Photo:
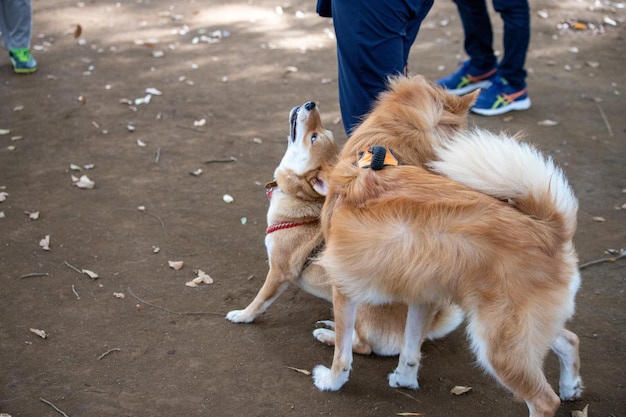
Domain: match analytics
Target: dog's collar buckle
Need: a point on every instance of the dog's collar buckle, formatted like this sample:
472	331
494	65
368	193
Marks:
376	158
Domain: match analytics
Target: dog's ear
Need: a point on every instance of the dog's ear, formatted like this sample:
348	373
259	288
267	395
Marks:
467	101
460	105
320	185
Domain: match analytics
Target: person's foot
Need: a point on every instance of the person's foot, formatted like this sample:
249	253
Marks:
500	98
23	62
467	79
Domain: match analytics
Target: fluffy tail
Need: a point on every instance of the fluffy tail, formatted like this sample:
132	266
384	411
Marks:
503	167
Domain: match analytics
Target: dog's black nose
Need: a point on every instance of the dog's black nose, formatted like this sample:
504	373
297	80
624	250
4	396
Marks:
309	105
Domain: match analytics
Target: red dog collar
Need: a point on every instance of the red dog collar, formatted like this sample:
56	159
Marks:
284	225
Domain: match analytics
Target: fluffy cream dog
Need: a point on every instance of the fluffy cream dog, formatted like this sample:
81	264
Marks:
491	231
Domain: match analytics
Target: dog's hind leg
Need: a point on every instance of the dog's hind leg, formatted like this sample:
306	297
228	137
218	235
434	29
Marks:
327	336
566	348
418	320
345	317
512	347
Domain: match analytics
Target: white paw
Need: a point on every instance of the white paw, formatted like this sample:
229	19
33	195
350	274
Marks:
572	391
239	316
329	324
325	336
400	380
325	381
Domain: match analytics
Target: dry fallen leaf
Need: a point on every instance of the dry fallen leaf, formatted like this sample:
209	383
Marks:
175	264
45	243
548	123
202	278
90	274
78	31
85	183
579	413
302	371
459	390
40	333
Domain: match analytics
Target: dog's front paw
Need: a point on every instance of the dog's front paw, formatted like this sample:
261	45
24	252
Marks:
402	380
239	316
324	379
572	391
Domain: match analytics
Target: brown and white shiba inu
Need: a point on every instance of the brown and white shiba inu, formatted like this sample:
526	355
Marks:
481	220
294	238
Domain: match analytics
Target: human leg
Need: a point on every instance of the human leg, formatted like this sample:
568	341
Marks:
16	27
478	33
373	42
480	69
516	17
16	23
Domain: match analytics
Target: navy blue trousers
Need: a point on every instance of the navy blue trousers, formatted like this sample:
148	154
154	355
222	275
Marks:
374	38
479	36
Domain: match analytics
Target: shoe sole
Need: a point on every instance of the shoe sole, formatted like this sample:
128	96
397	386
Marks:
24	70
515	106
469	88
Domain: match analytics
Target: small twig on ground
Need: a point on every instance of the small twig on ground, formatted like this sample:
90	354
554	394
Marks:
622	254
217	161
183	313
407	395
157	156
108	352
606	121
73	267
54	406
75	292
36	274
191	128
156	217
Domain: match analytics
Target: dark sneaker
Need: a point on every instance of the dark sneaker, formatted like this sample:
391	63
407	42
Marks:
500	98
23	62
467	79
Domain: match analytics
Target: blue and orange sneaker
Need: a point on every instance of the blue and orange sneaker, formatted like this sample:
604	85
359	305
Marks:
467	79
500	98
23	62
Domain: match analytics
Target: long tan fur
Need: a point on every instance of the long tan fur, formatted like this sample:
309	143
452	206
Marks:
297	197
497	242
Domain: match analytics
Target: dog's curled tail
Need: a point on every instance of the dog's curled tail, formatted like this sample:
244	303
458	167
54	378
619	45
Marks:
507	169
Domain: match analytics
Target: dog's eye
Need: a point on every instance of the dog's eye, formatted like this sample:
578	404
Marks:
313	137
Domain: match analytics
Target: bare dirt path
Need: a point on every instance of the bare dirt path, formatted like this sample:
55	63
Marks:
228	75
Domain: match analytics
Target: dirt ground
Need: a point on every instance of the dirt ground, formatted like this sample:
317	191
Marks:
240	66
